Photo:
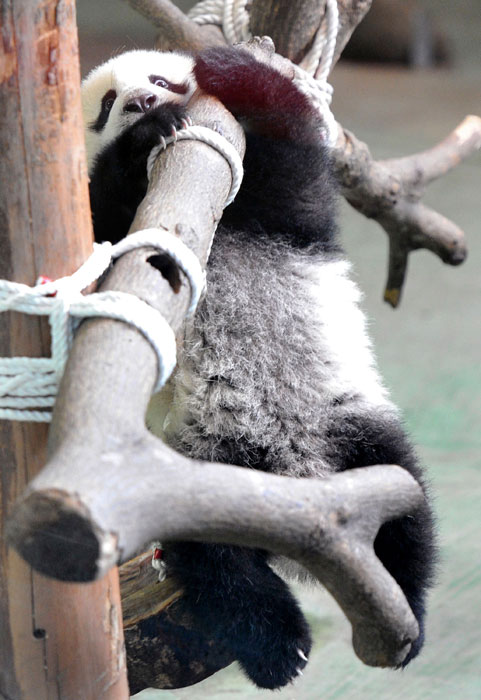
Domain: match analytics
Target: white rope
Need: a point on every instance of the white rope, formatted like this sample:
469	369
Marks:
314	70
236	21
31	383
172	245
207	12
213	139
128	308
318	60
28	386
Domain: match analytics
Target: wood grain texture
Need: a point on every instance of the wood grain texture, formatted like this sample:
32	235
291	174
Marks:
164	648
51	632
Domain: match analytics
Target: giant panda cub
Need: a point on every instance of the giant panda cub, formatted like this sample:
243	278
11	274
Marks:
276	371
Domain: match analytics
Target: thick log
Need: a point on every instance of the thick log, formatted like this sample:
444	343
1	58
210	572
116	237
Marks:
50	632
164	648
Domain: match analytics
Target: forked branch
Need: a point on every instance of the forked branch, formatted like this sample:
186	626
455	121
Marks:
390	192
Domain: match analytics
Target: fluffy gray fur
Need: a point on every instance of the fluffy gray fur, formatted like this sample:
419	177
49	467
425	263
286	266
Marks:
277	353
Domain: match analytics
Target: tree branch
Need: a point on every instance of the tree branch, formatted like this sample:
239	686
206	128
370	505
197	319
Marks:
351	13
388	191
328	525
176	30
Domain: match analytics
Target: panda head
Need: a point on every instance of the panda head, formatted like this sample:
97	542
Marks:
120	91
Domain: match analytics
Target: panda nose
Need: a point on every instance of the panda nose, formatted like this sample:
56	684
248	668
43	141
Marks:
142	103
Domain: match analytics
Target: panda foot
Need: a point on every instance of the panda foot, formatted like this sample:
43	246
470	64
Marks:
273	660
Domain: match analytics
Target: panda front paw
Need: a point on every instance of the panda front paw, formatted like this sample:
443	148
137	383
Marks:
156	125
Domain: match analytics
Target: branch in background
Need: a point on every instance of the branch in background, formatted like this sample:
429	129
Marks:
390	191
351	12
177	31
291	25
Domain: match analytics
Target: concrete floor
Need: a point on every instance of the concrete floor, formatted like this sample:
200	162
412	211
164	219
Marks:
429	352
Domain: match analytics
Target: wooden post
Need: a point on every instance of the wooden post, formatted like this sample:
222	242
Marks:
57	640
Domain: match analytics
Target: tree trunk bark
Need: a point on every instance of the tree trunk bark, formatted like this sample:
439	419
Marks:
57	640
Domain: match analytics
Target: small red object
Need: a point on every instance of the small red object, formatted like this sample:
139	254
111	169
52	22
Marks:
158	553
43	279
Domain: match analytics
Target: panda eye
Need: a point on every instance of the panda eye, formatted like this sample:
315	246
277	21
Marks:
108	100
159	81
105	106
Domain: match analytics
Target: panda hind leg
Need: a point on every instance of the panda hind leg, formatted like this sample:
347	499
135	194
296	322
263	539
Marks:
406	546
235	597
269	102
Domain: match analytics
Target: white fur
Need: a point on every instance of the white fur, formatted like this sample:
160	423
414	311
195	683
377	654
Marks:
341	332
128	74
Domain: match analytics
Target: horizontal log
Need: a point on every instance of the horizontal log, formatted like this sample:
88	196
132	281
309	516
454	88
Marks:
164	648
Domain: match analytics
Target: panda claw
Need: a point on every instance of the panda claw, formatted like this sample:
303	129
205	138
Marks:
186	123
302	655
299	672
174	133
163	142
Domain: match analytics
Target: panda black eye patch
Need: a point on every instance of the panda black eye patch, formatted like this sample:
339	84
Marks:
159	81
105	107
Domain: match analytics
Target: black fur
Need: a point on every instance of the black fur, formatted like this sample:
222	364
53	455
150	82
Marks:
237	598
286	206
405	546
118	182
